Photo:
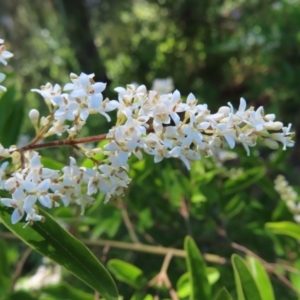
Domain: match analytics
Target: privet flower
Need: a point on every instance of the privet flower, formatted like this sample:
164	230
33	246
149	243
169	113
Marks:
159	124
289	196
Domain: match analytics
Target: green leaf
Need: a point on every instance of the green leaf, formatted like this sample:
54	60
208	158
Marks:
3	259
223	295
183	286
246	179
261	278
294	277
51	163
66	291
245	283
285	228
11	116
127	273
21	295
4	268
213	275
53	241
141	296
197	270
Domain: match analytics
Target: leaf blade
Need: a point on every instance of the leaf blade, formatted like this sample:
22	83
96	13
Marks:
126	272
284	228
245	283
197	270
261	278
53	241
223	295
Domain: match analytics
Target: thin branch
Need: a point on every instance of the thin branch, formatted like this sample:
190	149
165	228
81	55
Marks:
127	221
162	278
19	268
157	250
89	139
269	267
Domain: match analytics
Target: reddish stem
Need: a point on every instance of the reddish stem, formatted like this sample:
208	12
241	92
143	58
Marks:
67	142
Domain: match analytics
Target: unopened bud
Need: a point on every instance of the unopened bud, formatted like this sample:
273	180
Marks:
44	121
270	117
16	156
271	144
34	116
274	126
224	110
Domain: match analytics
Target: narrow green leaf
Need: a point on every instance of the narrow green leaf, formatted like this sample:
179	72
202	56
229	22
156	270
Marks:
127	273
66	291
285	228
223	295
51	163
261	278
141	296
21	295
197	270
213	275
53	241
183	286
245	283
294	277
10	109
3	259
5	279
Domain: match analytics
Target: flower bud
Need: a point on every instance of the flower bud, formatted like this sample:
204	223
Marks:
34	116
270	117
271	144
274	126
224	110
16	157
44	121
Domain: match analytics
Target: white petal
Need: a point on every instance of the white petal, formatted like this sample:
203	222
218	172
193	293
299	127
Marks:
99	87
44	185
17	215
243	105
230	140
45	200
29	202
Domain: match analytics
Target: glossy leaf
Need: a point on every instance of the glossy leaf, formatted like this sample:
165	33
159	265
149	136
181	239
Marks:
261	278
183	286
223	295
51	163
18	295
245	283
213	275
127	273
197	270
4	268
285	228
53	241
11	116
295	277
66	291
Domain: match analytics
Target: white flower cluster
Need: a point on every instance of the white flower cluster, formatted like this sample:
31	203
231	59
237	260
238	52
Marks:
3	56
289	196
84	98
35	183
161	125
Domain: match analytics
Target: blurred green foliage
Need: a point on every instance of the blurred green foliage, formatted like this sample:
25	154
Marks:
220	50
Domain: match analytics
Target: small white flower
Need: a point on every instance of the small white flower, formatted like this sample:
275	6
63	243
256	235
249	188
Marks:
16	202
4	54
2	77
